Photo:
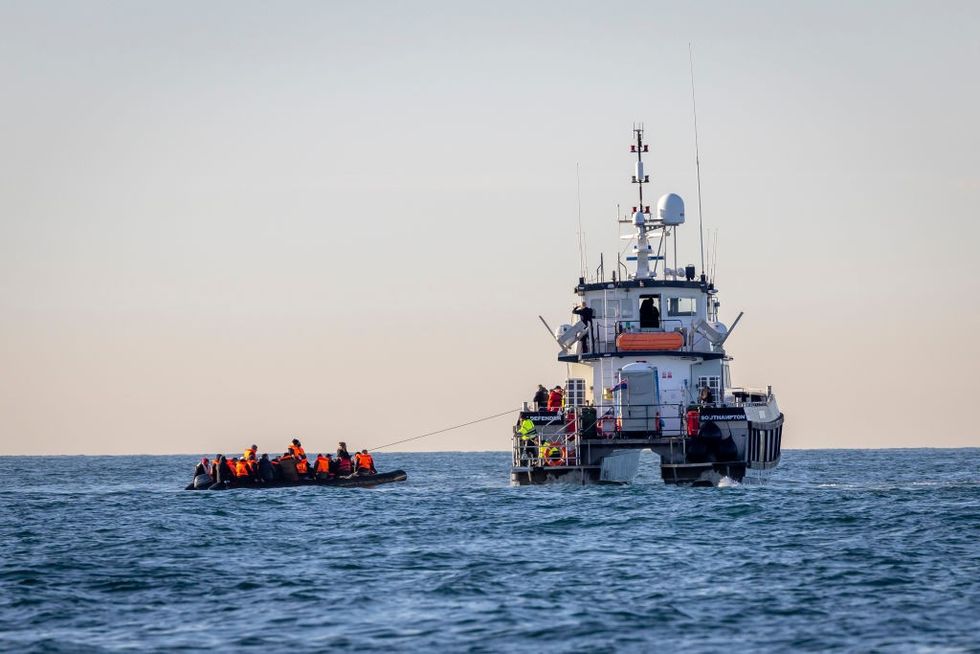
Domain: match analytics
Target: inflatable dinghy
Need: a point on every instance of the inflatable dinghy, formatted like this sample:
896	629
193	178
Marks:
204	482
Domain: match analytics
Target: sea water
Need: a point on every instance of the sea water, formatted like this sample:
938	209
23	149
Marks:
846	550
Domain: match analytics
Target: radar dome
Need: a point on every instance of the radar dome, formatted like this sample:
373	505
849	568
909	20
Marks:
670	209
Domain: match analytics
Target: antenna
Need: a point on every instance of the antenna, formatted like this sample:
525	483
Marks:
697	153
581	247
640	212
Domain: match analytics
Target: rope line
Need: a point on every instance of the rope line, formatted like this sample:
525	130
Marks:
440	431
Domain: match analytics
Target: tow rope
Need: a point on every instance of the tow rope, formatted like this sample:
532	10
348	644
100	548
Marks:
440	431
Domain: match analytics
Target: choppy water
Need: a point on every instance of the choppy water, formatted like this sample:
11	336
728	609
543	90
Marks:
841	550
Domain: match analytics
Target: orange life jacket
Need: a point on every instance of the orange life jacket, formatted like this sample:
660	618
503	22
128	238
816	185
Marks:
297	451
241	468
249	454
302	467
322	464
365	461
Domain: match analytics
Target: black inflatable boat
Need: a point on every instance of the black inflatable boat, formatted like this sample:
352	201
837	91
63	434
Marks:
203	482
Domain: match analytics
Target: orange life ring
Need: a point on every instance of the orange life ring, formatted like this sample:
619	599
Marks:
560	460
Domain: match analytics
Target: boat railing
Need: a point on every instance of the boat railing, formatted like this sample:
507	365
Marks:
630	420
603	338
558	436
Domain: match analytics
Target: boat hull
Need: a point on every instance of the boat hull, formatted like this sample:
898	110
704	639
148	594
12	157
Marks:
360	481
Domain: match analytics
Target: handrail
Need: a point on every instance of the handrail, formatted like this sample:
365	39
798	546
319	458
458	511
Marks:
601	343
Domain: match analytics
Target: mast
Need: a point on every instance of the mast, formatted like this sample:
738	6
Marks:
641	212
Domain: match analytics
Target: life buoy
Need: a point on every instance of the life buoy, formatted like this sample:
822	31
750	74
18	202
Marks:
559	460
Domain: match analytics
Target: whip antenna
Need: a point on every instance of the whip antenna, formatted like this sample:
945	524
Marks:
581	238
697	153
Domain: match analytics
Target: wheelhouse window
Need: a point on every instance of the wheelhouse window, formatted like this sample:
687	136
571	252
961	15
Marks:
682	306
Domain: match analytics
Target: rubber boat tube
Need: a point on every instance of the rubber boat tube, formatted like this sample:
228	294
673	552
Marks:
362	481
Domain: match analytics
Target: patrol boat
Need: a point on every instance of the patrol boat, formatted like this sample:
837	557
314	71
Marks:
648	370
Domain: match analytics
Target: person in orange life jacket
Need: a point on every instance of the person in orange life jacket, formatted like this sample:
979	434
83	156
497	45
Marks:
214	467
364	462
554	399
302	466
242	470
296	449
220	472
322	467
251	454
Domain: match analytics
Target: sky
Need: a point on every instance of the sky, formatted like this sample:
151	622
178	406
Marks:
233	222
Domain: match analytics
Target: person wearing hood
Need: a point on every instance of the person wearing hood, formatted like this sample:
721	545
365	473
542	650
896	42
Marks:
266	472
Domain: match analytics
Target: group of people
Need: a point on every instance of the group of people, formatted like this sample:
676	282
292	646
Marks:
545	400
292	465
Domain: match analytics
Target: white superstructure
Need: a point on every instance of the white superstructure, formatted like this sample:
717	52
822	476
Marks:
648	369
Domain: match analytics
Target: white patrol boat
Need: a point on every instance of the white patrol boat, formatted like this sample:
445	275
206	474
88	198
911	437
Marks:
648	369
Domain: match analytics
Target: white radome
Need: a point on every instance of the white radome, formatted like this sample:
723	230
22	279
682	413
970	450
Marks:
670	209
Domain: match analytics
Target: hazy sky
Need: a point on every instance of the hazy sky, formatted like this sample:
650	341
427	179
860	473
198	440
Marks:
231	222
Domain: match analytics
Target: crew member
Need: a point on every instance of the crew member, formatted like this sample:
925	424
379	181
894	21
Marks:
706	396
549	450
649	314
586	314
364	462
541	398
554	399
527	434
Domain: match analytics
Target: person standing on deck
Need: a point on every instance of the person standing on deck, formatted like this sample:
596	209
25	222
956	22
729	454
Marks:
586	314
649	314
540	398
555	399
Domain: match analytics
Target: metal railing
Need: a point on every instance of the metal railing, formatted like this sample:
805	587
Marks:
603	332
559	441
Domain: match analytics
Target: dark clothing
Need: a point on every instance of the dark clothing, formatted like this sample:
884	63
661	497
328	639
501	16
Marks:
199	470
541	399
585	313
342	453
266	473
222	472
649	314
